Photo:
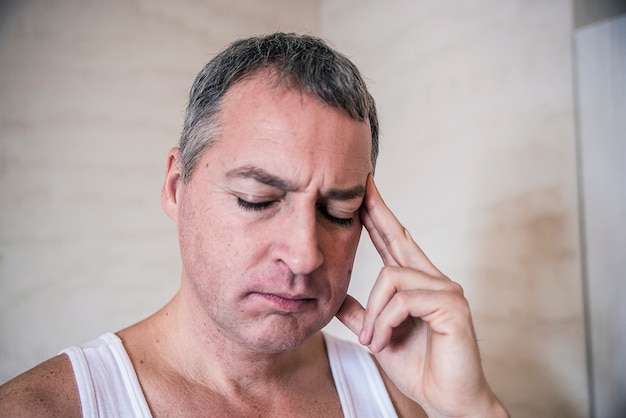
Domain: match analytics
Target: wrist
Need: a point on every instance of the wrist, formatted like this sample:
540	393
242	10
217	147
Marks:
492	408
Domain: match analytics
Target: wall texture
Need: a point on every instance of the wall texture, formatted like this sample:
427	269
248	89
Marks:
478	160
91	100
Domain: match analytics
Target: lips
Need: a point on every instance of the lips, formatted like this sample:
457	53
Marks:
286	302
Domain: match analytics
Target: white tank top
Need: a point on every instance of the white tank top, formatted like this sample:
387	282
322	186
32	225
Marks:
108	385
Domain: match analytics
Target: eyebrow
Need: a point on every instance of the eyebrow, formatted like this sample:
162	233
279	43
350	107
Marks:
262	176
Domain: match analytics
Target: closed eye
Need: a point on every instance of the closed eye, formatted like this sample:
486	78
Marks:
260	206
256	206
345	222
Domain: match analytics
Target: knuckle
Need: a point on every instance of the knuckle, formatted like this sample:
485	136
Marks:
385	271
462	307
404	299
388	273
457	288
452	286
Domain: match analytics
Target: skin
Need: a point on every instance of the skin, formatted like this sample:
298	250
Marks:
268	228
418	324
280	195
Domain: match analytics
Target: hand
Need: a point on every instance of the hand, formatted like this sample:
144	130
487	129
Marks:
418	323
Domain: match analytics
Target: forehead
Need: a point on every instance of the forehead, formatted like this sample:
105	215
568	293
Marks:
260	120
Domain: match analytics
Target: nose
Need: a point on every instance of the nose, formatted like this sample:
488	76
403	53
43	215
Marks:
299	246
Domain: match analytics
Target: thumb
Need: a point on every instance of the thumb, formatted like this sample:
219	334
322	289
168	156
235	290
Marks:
351	314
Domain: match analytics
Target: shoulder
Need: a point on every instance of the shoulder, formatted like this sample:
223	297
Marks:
404	406
48	389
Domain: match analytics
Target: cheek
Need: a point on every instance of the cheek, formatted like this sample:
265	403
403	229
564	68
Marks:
206	233
340	250
339	258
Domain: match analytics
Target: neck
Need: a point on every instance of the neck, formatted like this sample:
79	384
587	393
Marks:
200	352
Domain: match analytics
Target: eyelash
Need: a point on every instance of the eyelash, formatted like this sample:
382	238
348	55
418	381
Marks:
345	222
259	206
255	206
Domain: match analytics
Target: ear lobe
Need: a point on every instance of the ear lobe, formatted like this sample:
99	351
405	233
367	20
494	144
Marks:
169	196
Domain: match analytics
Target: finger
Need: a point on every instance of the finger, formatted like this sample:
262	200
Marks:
351	314
445	312
392	280
383	238
391	239
377	239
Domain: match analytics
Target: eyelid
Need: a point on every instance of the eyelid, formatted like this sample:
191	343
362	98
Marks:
339	217
258	206
344	219
344	222
257	197
342	211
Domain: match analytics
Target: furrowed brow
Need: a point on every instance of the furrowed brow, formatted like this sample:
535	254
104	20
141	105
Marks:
260	175
345	194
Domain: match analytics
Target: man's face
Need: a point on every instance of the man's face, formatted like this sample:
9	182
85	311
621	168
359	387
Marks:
268	222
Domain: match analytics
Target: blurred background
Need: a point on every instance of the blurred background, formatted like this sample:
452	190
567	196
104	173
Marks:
503	151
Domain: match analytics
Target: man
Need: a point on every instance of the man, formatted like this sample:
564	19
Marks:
269	189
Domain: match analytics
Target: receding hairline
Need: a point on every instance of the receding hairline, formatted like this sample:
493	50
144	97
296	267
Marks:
270	77
300	62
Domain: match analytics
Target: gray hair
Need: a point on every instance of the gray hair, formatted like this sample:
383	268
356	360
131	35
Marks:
302	62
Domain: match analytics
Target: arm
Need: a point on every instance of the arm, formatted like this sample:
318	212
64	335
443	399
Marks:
418	324
48	390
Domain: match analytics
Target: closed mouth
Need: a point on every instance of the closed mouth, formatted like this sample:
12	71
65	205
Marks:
287	303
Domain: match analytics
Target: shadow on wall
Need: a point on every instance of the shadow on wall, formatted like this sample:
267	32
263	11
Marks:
528	273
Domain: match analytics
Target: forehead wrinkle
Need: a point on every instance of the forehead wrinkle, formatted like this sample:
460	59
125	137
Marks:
260	175
263	177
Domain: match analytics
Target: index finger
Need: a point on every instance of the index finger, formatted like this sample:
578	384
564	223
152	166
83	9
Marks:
392	240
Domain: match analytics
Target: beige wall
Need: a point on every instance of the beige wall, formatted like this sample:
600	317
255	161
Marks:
92	95
478	160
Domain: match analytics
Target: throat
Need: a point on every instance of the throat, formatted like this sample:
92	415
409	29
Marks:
300	384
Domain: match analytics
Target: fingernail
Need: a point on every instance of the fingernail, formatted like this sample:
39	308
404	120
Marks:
364	337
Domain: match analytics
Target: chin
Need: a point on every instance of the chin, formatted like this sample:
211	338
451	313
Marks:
281	336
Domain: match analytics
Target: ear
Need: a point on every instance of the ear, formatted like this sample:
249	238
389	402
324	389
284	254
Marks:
169	192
